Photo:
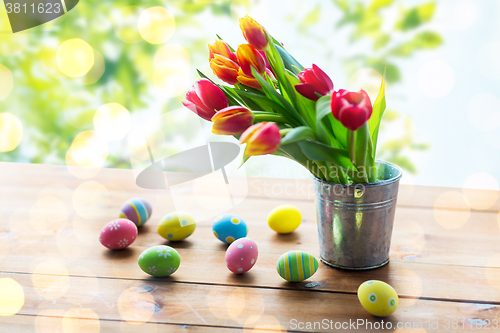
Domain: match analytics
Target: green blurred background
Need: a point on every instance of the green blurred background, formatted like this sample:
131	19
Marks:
71	90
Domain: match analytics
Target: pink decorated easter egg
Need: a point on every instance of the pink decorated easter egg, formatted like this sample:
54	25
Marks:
118	234
241	255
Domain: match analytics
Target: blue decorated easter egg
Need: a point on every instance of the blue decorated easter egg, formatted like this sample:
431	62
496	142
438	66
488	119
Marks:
137	210
229	227
296	266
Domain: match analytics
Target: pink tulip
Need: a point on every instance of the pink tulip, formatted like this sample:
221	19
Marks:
261	139
205	99
352	109
232	120
314	81
254	33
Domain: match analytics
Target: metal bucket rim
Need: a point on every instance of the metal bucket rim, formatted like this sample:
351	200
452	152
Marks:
376	184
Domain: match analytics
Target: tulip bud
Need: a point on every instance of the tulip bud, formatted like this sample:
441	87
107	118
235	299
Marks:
225	69
220	48
254	33
232	120
205	98
249	57
352	109
314	81
261	139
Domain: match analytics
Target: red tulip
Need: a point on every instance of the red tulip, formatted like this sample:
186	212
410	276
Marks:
314	80
254	33
261	139
232	120
249	57
205	98
352	109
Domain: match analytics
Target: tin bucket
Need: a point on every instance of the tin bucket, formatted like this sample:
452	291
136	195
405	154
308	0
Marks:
355	221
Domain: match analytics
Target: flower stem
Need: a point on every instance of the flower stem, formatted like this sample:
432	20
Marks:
259	117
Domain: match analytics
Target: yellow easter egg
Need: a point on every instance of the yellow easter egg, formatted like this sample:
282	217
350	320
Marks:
378	298
176	226
284	219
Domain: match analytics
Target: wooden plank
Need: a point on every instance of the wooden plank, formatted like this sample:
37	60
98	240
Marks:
57	320
160	301
16	175
67	256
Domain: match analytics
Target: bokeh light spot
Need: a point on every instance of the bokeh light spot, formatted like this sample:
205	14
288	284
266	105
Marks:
112	121
484	112
75	57
451	210
90	199
49	215
87	150
11	297
7	82
80	320
97	70
49	321
156	25
50	279
11	131
171	70
481	189
125	24
136	306
492	270
367	79
4	244
261	324
436	78
407	283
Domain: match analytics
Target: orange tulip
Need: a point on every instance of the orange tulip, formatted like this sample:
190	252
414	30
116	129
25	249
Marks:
254	33
232	120
225	69
261	139
249	57
220	48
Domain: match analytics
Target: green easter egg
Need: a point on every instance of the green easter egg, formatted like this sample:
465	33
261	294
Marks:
296	266
159	260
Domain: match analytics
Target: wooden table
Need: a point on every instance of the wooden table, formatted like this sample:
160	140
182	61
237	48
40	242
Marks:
445	262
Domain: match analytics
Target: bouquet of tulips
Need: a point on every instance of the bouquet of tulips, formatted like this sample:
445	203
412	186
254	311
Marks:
276	106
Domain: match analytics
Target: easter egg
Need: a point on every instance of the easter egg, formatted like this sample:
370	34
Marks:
159	260
137	210
241	255
295	266
176	226
229	227
284	219
378	298
118	234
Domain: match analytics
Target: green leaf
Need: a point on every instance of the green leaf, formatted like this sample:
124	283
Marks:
318	151
416	16
289	61
421	41
298	134
289	111
381	41
311	18
378	4
378	112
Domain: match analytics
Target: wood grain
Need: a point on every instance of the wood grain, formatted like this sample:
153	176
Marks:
445	261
